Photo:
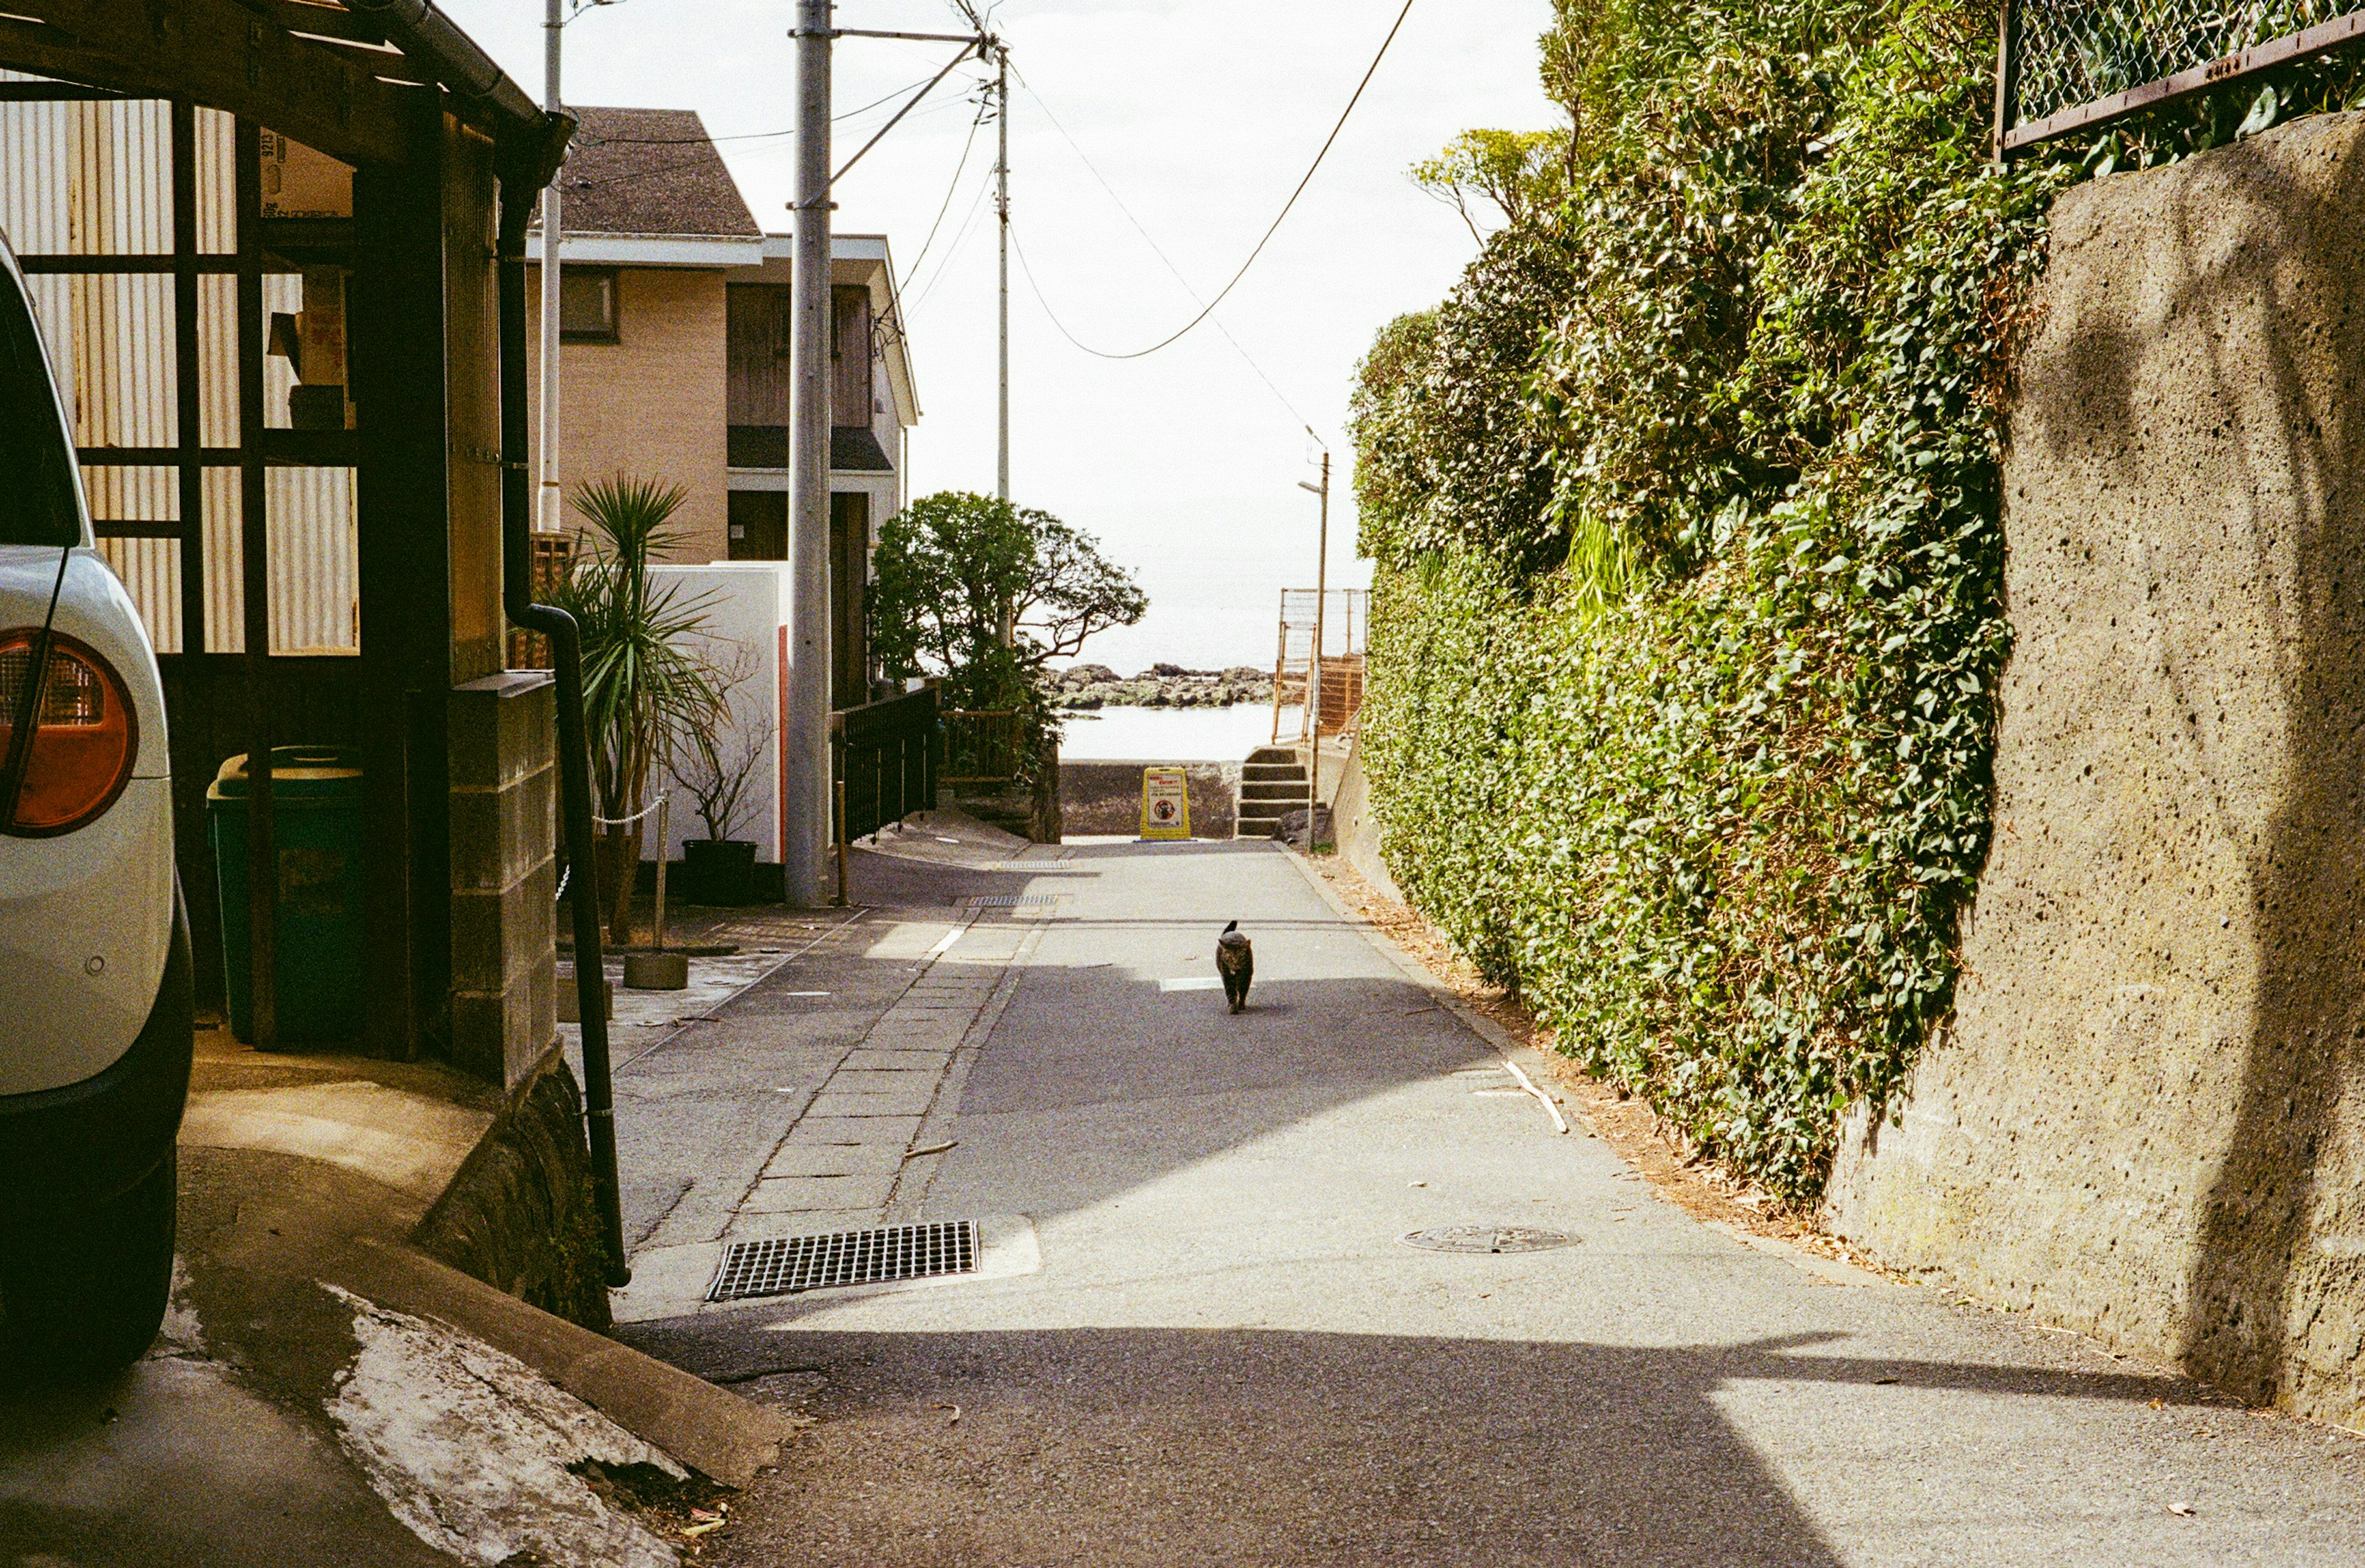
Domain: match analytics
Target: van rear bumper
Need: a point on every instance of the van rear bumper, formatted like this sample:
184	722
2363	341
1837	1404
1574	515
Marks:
82	1143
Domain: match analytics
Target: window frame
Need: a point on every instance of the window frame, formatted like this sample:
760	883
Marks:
610	334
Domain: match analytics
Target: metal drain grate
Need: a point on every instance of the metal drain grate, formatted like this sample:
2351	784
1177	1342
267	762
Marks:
1488	1238
788	1265
1012	901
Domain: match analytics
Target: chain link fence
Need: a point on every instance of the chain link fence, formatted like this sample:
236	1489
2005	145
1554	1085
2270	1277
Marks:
2071	64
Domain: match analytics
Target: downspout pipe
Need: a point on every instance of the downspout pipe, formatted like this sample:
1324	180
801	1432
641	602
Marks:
431	40
518	199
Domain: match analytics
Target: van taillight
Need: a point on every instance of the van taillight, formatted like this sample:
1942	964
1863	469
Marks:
85	736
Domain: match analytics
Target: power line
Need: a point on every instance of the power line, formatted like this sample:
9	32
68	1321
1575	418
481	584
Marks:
1209	308
747	135
1246	358
976	206
951	190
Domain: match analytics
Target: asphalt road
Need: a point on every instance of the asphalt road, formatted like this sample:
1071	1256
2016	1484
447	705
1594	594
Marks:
1228	1355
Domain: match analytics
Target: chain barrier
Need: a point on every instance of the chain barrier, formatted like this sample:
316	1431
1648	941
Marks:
627	822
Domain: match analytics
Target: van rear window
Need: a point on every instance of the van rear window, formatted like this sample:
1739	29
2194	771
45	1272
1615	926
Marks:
36	485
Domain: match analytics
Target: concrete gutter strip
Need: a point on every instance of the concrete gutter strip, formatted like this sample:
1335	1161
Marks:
919	1170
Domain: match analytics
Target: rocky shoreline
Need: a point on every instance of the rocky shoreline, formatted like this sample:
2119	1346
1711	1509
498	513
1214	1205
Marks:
1087	687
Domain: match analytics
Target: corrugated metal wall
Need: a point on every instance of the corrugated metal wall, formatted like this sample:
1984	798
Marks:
95	178
311	548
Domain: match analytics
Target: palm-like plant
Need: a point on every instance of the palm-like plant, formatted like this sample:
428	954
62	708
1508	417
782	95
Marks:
646	684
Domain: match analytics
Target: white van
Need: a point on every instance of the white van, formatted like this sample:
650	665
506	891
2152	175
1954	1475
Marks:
96	1027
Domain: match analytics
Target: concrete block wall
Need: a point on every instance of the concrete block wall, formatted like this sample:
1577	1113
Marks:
504	782
2148	1118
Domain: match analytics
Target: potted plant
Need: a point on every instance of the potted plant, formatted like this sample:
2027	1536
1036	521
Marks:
716	763
646	683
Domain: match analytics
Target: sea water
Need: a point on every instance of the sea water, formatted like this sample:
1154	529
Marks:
1172	735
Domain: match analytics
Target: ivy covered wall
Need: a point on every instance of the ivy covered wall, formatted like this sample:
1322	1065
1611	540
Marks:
1685	515
1689	546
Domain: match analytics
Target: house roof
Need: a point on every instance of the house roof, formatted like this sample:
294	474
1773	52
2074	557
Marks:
650	172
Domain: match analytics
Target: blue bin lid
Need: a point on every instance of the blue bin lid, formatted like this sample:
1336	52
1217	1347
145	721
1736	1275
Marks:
297	773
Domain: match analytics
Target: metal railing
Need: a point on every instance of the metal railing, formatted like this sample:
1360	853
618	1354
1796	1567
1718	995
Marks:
884	755
2070	65
1297	660
984	745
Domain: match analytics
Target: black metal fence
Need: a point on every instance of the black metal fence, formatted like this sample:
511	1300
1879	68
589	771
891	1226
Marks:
984	747
2070	65
885	757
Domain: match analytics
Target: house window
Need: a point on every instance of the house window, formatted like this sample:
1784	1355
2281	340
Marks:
587	305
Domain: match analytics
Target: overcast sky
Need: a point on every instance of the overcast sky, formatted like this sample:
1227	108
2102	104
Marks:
1201	116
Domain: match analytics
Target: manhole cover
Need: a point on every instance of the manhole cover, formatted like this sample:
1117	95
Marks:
1488	1238
793	1264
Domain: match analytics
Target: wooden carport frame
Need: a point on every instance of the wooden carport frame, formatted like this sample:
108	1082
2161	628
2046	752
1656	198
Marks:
429	126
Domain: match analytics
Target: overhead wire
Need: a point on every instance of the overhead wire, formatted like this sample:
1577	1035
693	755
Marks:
896	308
952	188
744	135
1157	250
1273	227
976	206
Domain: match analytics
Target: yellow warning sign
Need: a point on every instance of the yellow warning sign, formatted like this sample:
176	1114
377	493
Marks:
1165	803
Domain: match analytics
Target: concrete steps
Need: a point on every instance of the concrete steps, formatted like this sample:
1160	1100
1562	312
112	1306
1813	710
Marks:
1272	785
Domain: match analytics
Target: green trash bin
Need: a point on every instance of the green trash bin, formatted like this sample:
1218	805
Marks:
316	817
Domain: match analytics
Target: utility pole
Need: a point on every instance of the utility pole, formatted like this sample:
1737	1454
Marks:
1313	664
806	762
548	514
1002	205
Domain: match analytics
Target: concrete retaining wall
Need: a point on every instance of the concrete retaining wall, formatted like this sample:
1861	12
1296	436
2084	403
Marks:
1105	796
1362	843
518	1215
2146	1122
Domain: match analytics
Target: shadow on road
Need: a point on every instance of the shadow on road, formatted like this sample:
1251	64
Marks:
1118	1447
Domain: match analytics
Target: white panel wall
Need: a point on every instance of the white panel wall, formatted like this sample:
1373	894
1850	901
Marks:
745	606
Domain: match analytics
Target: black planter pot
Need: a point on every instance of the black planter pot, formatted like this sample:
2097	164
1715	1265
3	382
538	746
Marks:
718	870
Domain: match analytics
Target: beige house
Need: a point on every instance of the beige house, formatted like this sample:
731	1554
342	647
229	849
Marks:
674	327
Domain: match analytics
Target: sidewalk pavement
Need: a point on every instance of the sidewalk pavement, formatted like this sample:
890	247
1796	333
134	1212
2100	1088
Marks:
814	1101
326	1393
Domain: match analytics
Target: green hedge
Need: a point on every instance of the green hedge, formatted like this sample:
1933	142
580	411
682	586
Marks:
1684	510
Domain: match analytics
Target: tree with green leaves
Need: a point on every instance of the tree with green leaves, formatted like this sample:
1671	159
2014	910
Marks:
985	595
1522	171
